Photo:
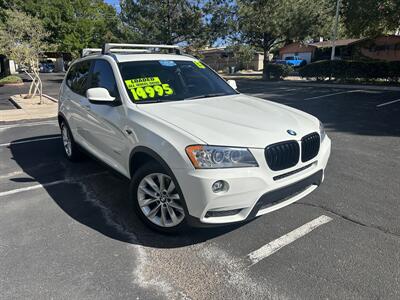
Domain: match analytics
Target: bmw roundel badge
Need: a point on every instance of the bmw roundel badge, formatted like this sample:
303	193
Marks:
291	132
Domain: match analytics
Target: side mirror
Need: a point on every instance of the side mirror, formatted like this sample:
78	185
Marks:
232	83
99	95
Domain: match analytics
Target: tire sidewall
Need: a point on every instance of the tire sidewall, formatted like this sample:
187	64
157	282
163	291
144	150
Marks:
143	171
75	152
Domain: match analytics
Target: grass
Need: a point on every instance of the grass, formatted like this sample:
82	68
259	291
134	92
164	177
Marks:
10	79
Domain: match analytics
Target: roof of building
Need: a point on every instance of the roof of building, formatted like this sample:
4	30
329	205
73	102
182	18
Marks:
328	44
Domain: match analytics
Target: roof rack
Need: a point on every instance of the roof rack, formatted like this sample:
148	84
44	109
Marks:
135	48
90	51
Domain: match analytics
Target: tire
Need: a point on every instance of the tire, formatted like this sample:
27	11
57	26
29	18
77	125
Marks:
71	148
163	210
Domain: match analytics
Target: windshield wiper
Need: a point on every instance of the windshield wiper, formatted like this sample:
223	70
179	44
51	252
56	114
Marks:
206	96
153	101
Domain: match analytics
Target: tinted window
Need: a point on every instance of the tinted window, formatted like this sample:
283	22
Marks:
78	76
103	76
167	80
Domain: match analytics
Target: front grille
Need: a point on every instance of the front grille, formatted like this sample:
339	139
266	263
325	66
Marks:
284	193
282	155
309	146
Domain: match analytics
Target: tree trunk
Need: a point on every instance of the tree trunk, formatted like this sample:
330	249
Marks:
265	63
266	48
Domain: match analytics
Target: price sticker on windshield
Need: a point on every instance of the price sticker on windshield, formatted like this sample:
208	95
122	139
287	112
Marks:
148	88
199	64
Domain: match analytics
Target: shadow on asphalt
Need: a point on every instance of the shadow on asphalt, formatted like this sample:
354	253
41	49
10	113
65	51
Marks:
355	113
100	201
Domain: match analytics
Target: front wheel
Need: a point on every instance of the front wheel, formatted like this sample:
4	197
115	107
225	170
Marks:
157	199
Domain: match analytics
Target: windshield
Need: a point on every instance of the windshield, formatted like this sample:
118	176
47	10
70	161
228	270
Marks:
171	80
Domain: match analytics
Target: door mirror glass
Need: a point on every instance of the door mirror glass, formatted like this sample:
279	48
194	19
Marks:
99	95
232	83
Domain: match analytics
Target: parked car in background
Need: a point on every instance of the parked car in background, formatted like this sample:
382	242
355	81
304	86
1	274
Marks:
46	67
293	61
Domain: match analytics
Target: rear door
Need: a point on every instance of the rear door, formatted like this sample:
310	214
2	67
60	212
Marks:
75	94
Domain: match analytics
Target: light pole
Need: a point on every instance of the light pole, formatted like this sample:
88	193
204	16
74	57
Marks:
335	29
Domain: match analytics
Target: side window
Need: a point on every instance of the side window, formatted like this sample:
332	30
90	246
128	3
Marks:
77	77
103	76
71	75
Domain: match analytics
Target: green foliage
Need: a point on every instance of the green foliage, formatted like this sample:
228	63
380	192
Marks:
370	18
75	24
266	23
22	37
164	21
277	71
244	54
10	79
350	69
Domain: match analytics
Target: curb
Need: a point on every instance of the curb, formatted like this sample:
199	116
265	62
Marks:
345	86
50	98
323	85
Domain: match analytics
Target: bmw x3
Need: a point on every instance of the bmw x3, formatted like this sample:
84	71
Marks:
196	151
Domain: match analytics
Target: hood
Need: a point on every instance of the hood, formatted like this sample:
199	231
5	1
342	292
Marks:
238	120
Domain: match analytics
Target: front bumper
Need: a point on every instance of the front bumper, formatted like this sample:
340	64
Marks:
252	191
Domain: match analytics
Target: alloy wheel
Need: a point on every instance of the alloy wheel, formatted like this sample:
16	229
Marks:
66	140
159	200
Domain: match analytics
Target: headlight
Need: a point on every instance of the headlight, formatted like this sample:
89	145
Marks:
213	157
322	131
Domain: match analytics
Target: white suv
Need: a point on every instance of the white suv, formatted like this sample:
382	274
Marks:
197	152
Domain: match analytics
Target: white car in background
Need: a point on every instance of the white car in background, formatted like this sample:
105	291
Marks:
197	152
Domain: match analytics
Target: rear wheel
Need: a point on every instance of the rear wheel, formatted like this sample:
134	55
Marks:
157	199
71	149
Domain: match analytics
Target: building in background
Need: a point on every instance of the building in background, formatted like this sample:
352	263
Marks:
222	58
381	48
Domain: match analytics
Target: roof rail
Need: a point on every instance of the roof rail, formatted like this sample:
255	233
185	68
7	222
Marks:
90	51
109	48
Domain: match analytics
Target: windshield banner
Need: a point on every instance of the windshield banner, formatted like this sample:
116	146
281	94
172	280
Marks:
148	87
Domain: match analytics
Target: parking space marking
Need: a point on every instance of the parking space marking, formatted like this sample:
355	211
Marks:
47	184
388	103
29	141
28	124
333	94
286	239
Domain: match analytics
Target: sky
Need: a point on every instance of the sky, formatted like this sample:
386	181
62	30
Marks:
114	3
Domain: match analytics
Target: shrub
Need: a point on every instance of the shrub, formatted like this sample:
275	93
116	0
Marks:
276	71
10	79
350	69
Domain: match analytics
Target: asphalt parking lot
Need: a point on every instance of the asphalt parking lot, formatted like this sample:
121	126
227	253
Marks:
66	231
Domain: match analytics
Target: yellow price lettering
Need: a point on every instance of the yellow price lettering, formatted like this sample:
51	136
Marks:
140	93
199	64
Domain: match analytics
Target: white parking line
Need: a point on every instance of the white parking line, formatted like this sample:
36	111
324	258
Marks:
388	103
285	240
29	141
44	185
28	124
328	95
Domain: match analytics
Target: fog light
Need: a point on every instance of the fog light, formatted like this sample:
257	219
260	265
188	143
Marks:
220	186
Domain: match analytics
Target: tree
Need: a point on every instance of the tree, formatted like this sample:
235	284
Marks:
22	40
164	21
266	23
244	54
369	18
75	24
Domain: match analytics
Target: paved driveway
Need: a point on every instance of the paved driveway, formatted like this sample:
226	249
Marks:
66	230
